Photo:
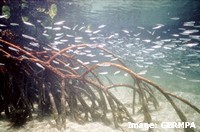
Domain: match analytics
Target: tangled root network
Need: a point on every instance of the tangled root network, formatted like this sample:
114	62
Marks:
62	85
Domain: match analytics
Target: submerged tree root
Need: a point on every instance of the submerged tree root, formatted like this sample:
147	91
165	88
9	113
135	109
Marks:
51	80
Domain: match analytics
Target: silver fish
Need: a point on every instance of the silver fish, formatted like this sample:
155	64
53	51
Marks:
67	65
14	24
191	23
140	27
97	31
64	40
87	51
13	49
50	28
101	26
34	44
156	46
156	76
86	63
27	48
136	35
76	68
139	65
103	65
39	65
45	34
67	27
3	16
197	37
148	63
79	61
191	44
186	67
147	40
78	38
55	48
56	62
179	72
28	23
68	35
108	56
95	61
90	55
59	34
195	65
88	31
80	47
168	69
59	23
56	28
93	38
168	72
117	72
158	26
142	72
101	54
78	41
158	55
125	31
103	73
74	28
175	18
28	37
182	77
45	48
125	74
111	36
193	80
57	38
81	28
188	32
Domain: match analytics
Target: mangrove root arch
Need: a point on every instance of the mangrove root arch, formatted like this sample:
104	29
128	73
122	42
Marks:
62	85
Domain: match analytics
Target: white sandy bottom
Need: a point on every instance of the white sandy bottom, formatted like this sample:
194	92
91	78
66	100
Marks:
164	114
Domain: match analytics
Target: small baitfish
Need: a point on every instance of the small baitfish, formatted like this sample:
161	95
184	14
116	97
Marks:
103	73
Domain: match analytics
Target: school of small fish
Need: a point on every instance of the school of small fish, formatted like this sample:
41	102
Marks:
176	53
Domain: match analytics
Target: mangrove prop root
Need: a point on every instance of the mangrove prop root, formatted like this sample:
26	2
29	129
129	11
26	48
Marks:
51	82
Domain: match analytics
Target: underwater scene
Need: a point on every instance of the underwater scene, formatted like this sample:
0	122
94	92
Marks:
100	65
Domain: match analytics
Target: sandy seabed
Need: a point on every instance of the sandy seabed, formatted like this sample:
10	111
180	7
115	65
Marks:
165	113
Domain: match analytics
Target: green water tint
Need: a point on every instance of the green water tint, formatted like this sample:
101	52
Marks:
79	94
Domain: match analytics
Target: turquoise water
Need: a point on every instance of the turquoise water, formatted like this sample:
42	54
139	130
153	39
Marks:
158	38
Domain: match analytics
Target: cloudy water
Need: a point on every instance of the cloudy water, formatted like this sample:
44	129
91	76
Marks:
157	39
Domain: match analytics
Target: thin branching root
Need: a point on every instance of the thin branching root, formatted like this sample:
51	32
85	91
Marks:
61	84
